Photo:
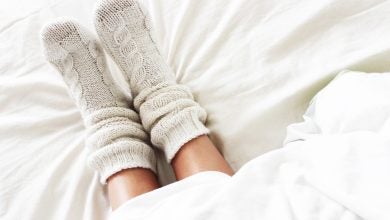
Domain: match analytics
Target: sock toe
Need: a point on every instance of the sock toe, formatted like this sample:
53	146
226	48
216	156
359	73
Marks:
115	13
59	30
61	37
106	9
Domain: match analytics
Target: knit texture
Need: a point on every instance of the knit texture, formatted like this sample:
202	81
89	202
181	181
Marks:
115	136
167	110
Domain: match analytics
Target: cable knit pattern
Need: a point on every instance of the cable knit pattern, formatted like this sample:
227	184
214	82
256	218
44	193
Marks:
167	110
115	136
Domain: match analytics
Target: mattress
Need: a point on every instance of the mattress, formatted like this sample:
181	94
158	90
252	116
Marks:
253	65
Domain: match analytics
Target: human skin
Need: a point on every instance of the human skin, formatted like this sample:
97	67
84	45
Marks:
195	156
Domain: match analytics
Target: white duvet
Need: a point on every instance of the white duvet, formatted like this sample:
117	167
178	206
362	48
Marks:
254	65
335	166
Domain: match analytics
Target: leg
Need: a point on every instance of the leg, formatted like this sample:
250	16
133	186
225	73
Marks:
116	139
199	155
196	156
130	183
167	110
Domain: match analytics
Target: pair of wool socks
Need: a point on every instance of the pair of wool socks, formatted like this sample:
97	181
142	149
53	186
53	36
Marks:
117	134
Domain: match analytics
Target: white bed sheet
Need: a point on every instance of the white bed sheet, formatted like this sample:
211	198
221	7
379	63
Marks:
253	65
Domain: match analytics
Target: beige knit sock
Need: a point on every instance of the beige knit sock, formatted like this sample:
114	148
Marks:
167	110
115	136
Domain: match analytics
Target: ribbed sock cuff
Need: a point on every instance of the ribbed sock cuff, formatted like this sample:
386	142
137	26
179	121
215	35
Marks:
121	155
186	126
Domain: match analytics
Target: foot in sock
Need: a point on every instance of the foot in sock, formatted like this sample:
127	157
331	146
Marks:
115	136
167	110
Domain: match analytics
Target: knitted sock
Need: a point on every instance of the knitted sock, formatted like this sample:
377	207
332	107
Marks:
167	110
115	136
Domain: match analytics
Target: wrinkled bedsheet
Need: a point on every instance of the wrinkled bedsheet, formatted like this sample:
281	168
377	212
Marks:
254	66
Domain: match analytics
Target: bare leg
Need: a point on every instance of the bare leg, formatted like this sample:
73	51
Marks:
199	155
196	156
130	183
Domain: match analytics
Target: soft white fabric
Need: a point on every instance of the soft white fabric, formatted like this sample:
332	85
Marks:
340	171
167	110
116	139
261	60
